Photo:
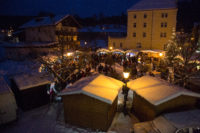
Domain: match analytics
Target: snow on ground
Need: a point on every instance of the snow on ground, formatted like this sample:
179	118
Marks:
122	123
46	119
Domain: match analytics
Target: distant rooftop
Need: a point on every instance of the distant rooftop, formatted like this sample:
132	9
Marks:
43	21
47	21
153	4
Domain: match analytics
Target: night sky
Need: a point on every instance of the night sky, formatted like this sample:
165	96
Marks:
83	8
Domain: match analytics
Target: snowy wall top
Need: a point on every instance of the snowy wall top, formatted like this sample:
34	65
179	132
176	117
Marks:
26	81
153	4
156	90
100	87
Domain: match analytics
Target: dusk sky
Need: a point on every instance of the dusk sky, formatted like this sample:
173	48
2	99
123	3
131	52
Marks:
83	8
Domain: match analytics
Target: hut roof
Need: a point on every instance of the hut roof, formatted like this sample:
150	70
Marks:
3	86
25	81
153	4
100	87
157	91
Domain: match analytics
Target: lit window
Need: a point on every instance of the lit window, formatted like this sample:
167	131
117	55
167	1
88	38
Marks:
145	25
134	34
75	38
144	34
145	15
134	25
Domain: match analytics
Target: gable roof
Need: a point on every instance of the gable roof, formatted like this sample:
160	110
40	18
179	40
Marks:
153	4
26	81
3	86
157	91
97	86
47	21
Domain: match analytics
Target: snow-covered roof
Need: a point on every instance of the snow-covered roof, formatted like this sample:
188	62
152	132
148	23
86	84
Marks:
156	90
103	50
3	86
29	44
44	21
171	122
26	81
184	119
152	51
98	86
153	4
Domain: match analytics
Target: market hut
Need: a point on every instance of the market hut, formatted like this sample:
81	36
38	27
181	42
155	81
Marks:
91	102
154	96
30	90
8	105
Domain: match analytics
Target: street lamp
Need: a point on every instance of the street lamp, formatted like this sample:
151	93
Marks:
126	75
125	91
110	48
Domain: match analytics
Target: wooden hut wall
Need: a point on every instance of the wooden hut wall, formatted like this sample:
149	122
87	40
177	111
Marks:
8	107
147	111
142	108
32	97
180	103
88	112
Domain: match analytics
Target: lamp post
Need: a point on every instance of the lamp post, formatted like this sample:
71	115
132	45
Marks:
125	91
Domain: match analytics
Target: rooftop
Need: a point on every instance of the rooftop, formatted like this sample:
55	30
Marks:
44	21
153	4
100	87
156	90
26	81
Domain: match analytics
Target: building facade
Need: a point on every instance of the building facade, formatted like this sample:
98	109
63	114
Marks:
150	25
51	29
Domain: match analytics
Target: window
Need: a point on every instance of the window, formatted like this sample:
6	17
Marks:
145	25
145	15
134	16
144	34
138	45
163	34
165	24
134	25
162	25
134	34
121	45
113	44
164	15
